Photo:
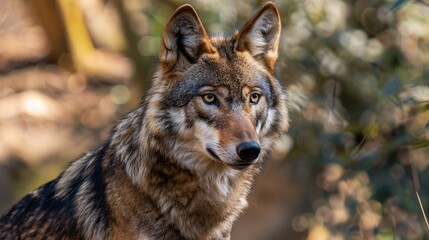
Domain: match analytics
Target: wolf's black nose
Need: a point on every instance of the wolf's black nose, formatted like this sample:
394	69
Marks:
248	151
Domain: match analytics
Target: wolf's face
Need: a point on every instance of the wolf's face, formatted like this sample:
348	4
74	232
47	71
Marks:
219	96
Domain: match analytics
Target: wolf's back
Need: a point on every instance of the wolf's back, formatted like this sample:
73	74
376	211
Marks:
64	208
40	214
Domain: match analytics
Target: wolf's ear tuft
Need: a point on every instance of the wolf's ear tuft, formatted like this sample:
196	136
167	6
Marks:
260	35
184	39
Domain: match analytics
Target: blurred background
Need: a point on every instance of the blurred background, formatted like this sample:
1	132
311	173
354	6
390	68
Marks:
355	162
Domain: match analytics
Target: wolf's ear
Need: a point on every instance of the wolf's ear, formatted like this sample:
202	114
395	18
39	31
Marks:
184	39
260	35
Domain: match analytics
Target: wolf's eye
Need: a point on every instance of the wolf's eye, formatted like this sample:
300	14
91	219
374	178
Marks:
209	98
254	98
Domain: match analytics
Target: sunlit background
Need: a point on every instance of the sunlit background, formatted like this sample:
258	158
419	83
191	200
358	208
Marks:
355	162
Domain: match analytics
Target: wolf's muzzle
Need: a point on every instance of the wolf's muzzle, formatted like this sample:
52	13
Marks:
248	151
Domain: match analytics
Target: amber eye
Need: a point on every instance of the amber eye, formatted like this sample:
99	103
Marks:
254	98
209	98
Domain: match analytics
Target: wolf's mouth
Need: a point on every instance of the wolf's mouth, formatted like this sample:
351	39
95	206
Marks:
240	166
236	166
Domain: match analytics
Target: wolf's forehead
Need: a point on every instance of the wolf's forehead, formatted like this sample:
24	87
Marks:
224	72
232	76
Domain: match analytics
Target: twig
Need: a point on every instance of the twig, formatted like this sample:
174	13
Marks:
415	177
334	93
423	210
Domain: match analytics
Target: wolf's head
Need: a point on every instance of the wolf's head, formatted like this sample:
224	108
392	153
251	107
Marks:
217	99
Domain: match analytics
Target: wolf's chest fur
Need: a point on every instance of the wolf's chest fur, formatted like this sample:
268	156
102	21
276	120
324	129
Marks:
186	206
181	165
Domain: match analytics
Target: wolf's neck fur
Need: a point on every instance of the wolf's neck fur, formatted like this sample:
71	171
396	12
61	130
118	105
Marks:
195	194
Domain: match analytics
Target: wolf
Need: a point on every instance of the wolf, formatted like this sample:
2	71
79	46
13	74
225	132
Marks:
181	164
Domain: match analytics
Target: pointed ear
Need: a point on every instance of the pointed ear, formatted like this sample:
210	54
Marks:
184	39
260	35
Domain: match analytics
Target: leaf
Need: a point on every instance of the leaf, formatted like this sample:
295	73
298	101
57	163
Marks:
392	87
398	4
421	144
427	126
